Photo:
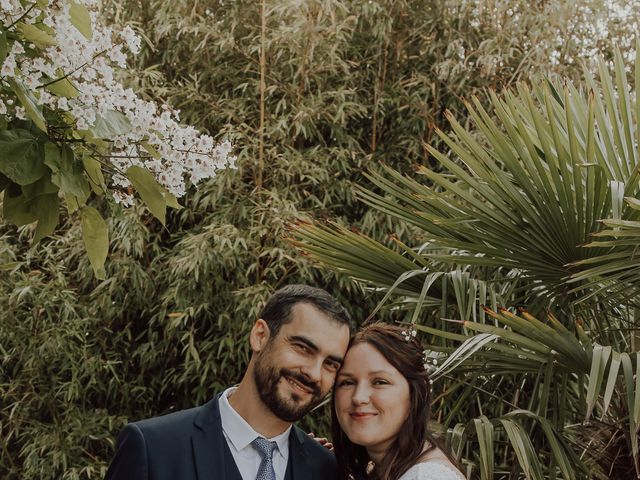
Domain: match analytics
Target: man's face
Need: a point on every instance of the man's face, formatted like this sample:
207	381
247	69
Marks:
297	368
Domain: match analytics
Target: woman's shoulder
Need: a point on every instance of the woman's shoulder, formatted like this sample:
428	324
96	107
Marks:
433	469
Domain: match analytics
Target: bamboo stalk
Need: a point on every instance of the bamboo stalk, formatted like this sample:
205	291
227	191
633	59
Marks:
378	87
263	35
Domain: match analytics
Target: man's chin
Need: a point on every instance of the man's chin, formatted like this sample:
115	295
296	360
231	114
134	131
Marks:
295	400
294	404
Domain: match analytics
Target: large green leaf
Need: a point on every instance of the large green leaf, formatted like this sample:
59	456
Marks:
150	191
44	186
111	125
62	87
21	156
46	208
31	107
67	171
93	169
16	208
36	35
81	19
95	234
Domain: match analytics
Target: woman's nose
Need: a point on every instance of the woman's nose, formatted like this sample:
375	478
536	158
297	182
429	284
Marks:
361	394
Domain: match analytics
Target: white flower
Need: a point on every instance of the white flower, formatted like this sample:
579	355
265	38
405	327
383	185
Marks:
131	39
90	66
8	67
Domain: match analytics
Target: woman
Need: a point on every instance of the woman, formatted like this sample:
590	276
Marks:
381	404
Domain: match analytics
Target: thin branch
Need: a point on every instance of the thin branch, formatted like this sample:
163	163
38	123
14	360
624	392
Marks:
23	15
74	71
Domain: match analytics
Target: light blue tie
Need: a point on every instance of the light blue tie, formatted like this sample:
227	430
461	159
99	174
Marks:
265	448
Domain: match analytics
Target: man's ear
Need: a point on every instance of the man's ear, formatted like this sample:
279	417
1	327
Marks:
259	336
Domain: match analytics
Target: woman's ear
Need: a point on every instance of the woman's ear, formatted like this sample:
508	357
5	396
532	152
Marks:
259	336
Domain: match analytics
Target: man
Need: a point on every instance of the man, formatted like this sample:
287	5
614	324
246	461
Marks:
246	432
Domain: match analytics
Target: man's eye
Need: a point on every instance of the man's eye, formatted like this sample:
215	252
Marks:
332	366
303	348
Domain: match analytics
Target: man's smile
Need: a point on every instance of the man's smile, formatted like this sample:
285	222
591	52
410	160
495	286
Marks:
298	386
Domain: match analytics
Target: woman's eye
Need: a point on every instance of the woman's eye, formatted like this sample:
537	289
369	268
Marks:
379	381
345	383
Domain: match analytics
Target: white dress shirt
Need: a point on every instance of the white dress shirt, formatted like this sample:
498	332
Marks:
239	435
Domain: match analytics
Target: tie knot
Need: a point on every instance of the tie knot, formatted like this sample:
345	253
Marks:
264	447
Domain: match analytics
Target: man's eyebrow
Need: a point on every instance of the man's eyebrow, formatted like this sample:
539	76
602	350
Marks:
312	346
308	343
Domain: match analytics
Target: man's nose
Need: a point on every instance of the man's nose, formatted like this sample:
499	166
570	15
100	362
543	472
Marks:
313	371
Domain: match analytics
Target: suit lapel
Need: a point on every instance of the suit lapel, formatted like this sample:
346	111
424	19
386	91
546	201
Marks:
298	460
208	443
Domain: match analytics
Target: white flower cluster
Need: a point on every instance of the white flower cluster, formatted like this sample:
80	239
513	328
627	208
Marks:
409	334
151	137
431	360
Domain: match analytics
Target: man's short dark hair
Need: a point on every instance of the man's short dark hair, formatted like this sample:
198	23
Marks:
277	310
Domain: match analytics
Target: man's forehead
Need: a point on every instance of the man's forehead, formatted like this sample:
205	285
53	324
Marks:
309	321
306	315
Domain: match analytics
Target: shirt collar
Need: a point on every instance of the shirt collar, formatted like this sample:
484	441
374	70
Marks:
239	432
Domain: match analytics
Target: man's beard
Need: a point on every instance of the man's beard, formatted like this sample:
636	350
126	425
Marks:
267	378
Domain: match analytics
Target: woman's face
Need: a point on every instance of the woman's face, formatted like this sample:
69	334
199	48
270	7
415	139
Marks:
371	398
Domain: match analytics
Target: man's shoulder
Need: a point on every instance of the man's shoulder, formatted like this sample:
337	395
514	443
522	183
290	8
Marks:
174	422
316	453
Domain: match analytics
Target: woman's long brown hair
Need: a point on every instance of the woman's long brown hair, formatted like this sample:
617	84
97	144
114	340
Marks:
407	449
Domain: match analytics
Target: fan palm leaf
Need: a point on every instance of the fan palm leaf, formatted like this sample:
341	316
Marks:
524	190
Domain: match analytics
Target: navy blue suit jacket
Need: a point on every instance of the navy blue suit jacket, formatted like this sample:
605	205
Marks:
190	445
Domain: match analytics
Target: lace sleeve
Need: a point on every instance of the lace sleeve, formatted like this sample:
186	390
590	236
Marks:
432	470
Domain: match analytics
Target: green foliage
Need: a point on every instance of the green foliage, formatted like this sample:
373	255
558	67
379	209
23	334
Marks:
51	143
508	222
348	86
23	156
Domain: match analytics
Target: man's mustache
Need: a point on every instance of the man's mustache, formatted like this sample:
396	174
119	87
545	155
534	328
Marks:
302	379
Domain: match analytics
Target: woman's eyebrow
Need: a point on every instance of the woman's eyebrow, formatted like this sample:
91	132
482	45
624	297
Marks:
378	372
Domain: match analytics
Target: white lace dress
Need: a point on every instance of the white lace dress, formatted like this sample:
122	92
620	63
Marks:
432	470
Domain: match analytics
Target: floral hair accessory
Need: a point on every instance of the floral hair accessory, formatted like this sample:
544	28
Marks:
409	334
